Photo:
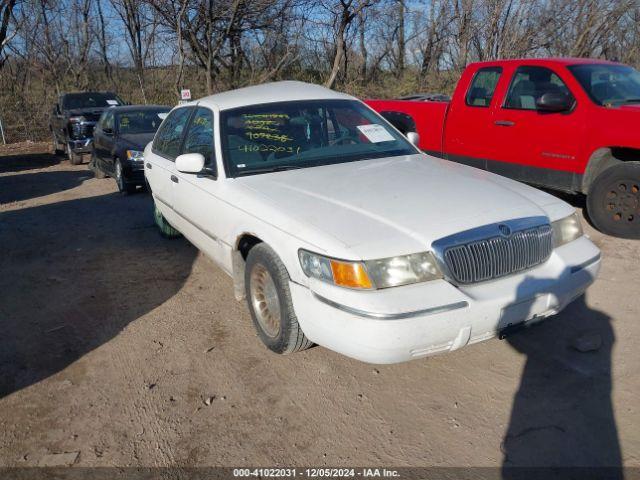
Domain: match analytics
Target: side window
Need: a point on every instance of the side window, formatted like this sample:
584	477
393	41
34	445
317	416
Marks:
483	87
108	122
199	137
529	84
169	137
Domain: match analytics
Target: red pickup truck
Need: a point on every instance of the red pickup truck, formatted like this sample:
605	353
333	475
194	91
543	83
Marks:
566	124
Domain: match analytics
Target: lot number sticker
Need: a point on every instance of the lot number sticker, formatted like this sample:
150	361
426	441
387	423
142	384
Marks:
376	133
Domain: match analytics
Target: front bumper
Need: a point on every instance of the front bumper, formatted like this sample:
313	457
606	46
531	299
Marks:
133	171
80	146
404	323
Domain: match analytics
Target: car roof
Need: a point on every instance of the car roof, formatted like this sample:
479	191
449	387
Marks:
139	108
269	93
566	61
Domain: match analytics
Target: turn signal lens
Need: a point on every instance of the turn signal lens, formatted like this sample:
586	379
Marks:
350	275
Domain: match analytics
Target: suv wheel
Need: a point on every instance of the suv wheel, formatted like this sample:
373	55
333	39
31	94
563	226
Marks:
267	288
613	202
123	185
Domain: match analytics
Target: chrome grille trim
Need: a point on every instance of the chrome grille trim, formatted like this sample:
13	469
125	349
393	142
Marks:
483	254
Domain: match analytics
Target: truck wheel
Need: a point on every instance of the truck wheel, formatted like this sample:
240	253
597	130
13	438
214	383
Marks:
613	201
56	146
166	230
267	288
123	185
74	158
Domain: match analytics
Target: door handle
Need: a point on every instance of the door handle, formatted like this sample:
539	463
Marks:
504	123
149	166
174	179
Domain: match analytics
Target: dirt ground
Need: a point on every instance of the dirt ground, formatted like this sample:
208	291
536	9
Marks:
120	348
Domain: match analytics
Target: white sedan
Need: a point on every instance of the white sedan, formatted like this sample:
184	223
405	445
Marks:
340	232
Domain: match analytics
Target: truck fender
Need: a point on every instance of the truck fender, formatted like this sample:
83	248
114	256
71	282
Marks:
604	158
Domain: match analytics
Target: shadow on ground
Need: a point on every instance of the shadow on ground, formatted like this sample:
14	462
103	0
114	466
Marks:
562	414
24	186
20	162
74	274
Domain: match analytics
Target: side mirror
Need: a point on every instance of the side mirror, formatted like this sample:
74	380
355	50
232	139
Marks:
190	163
554	102
414	138
107	131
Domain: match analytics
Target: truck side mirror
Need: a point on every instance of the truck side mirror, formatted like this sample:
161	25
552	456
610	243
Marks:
414	138
554	102
107	131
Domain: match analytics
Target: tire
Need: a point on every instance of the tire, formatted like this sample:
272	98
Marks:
267	289
56	146
613	201
97	173
74	158
121	182
166	230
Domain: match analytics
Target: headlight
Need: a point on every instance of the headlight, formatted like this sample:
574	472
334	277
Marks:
372	274
135	155
566	230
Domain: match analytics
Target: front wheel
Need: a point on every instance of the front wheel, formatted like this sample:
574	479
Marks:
123	185
613	201
74	158
267	288
166	230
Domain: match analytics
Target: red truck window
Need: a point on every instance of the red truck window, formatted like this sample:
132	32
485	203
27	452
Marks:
529	84
483	87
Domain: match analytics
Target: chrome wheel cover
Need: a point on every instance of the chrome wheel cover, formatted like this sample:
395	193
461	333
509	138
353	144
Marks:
264	299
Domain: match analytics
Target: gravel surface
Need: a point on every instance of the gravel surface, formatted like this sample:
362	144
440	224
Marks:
120	348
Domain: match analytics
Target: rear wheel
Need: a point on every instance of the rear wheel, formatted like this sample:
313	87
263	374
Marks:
269	299
166	230
56	145
93	165
74	158
613	202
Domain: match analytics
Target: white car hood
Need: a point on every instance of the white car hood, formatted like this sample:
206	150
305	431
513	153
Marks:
392	206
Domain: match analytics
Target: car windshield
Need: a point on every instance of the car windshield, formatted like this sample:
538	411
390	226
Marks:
300	134
72	101
609	84
141	121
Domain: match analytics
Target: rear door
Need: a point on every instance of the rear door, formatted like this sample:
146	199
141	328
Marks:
535	146
468	127
159	166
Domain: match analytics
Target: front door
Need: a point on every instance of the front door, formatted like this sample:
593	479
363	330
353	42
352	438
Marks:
547	144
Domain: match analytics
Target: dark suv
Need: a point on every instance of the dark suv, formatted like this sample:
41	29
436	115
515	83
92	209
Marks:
73	119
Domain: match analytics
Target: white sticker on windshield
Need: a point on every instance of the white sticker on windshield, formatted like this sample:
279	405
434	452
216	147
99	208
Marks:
163	115
113	103
376	133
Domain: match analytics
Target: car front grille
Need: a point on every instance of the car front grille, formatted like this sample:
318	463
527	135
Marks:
499	255
82	130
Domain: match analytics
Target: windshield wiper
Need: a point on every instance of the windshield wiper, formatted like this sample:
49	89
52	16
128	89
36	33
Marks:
278	168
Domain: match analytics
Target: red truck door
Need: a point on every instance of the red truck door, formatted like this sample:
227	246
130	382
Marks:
469	122
531	145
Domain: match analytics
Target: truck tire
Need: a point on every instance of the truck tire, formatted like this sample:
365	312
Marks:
56	145
267	289
74	158
613	201
166	230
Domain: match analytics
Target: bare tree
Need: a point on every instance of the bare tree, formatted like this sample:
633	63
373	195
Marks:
6	10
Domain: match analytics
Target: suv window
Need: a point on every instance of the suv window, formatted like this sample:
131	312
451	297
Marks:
483	87
107	121
169	137
199	137
529	84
